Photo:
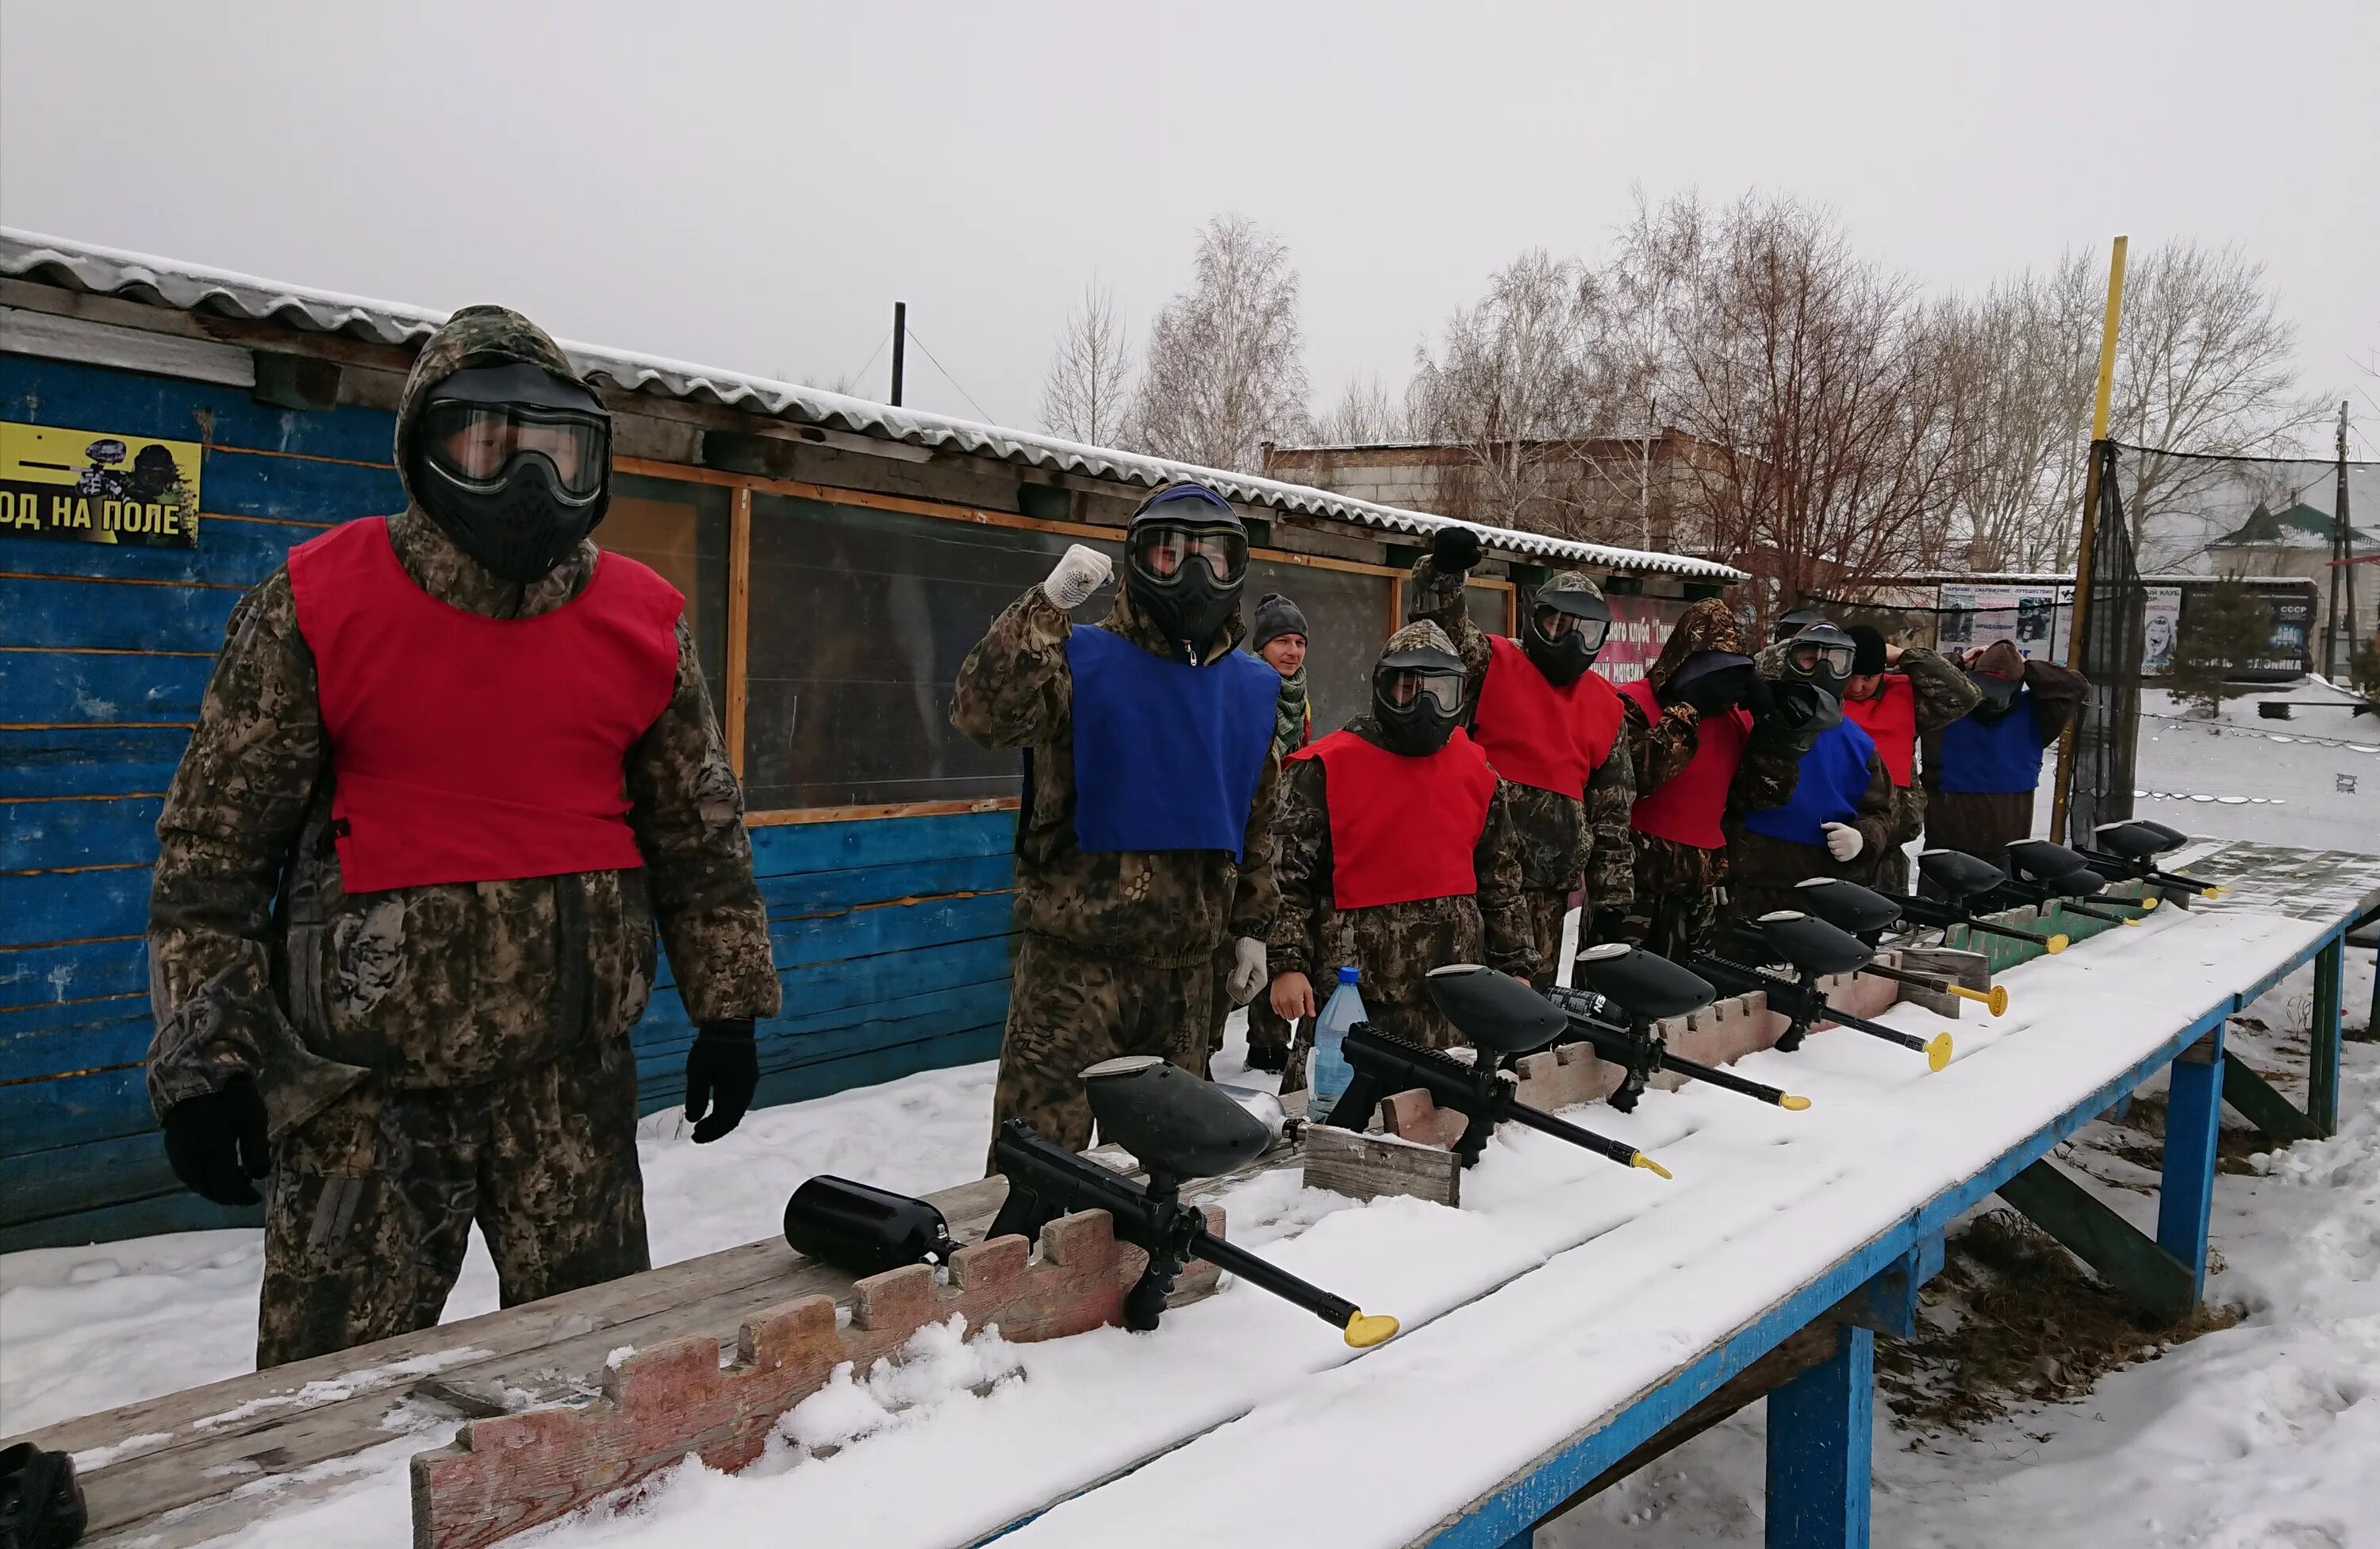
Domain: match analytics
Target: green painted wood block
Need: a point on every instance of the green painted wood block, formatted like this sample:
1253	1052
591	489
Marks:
2151	1278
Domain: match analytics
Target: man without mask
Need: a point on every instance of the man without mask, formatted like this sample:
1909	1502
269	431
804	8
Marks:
1553	730
1398	853
411	867
1143	844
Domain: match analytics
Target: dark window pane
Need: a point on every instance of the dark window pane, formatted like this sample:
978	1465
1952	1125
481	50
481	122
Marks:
1486	606
680	530
1347	620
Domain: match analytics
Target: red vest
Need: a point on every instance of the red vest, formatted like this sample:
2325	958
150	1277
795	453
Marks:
1688	808
1380	853
1891	721
468	748
1538	734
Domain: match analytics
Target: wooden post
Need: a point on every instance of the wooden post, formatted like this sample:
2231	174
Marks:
2079	617
1821	1446
2193	1116
739	623
2322	1059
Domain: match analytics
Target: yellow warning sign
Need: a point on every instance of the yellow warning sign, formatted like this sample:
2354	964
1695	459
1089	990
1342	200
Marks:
98	487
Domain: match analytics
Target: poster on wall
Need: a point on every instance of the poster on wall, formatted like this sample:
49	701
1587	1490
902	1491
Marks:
2161	623
1639	627
2034	617
98	487
2291	650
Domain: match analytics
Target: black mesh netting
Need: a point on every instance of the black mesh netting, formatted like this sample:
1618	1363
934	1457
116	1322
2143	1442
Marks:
2113	616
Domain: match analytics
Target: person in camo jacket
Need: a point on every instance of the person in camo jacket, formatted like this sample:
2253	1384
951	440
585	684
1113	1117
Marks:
1398	855
1278	637
1554	731
452	768
1144	839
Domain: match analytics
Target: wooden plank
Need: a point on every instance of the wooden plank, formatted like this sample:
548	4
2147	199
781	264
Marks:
784	1042
129	403
229	552
54	834
298	489
867	1062
740	626
781	817
55	688
2275	1116
73	906
123	616
1821	1450
50	1036
177	1211
860	981
893	927
846	844
2322	1054
83	760
803	893
1367	1167
66	1179
2194	1117
2157	1283
73	1109
80	970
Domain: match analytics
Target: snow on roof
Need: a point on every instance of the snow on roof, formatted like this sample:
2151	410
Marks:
193	288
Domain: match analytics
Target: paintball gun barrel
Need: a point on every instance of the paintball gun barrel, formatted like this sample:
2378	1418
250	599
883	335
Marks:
1813	948
1863	912
2126	850
1178	1127
1614	1042
2045	873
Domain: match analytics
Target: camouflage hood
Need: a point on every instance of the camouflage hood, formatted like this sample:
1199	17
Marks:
480	335
1420	635
1705	626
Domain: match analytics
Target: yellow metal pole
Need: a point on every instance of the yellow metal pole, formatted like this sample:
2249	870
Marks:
2078	616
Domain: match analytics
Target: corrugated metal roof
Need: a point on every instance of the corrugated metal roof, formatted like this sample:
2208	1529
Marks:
191	287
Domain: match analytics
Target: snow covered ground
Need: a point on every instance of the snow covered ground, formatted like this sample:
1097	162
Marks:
2313	780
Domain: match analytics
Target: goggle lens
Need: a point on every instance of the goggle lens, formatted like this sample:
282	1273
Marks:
1161	552
1407	686
477	442
1555	625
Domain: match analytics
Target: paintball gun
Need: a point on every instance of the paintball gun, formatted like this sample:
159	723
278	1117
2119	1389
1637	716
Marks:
1848	906
1866	913
1178	1127
1965	879
1502	1017
1645	988
1812	949
2125	850
2043	873
1612	1041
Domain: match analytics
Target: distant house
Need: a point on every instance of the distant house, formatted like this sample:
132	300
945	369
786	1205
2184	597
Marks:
2296	542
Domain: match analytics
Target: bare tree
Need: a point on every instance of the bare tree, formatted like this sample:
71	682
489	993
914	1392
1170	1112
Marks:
1087	392
1224	372
1811	374
1517	384
1365	417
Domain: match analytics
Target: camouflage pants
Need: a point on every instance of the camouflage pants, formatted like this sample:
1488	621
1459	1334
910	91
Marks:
1908	822
1546	910
371	1202
1266	1031
1068	1010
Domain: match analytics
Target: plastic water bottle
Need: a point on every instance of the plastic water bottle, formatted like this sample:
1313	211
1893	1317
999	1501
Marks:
1331	1071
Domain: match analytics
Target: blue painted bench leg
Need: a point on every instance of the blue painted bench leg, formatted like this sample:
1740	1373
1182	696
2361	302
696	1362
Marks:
2186	1198
1821	1440
2322	1060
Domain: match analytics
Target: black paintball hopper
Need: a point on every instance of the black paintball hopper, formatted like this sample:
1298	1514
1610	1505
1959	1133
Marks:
1846	904
1813	947
2138	839
1494	1010
862	1229
1645	987
1175	1123
2039	861
1965	878
2174	838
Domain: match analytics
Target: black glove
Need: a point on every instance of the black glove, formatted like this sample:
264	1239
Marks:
41	1505
721	1071
1454	549
216	1144
1715	692
1759	698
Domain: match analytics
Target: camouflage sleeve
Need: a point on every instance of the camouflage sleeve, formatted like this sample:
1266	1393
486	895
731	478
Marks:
1658	749
1771	768
2056	692
1943	693
1510	939
1611	859
1257	897
230	820
1437	597
1015	689
1301	870
688	811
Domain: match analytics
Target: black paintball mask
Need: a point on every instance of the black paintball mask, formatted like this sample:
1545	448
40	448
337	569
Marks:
1566	624
1712	681
1185	559
1794	620
514	464
1417	698
1823	656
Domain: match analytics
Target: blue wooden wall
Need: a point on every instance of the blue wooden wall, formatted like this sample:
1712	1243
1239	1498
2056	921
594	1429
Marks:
891	935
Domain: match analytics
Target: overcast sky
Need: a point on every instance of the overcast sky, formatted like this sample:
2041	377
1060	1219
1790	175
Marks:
752	186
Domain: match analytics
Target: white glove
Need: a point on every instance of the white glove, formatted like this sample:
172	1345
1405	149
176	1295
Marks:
1843	841
1080	572
1248	974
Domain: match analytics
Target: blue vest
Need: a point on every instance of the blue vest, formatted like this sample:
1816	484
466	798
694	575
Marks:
1167	756
1834	776
2002	755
